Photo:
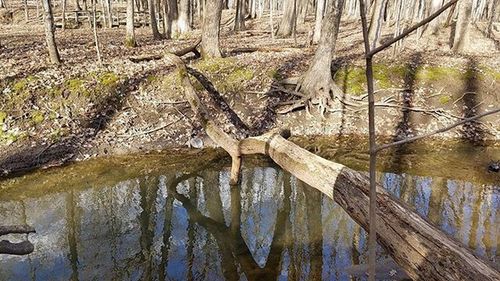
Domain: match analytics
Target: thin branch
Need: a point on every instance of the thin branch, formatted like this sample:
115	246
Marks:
437	131
411	29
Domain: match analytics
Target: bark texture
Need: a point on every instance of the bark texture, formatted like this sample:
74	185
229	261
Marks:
50	33
211	28
239	21
289	20
152	20
183	24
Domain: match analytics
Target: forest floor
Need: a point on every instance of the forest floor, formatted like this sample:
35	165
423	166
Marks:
82	109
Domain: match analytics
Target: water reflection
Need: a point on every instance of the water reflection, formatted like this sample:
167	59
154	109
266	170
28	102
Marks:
198	227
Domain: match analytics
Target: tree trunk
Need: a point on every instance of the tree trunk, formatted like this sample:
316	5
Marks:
210	29
170	9
183	25
130	28
320	10
50	33
462	28
288	22
108	12
437	22
317	83
239	21
492	11
94	29
152	20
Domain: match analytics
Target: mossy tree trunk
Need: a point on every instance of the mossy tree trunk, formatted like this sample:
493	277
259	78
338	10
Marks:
211	28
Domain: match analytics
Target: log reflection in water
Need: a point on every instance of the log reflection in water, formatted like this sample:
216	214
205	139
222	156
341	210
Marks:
197	226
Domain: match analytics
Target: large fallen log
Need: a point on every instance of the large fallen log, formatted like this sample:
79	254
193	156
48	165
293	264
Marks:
421	249
21	248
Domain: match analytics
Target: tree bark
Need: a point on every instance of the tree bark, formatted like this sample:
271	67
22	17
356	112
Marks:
94	29
239	21
210	29
289	20
50	33
171	11
152	20
130	28
461	38
376	22
26	13
320	10
183	25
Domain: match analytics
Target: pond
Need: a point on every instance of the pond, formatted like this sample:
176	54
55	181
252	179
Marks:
175	217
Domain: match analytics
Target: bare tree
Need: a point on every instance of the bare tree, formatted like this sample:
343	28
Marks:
152	20
210	29
130	28
26	13
239	21
289	20
50	32
183	23
374	149
317	83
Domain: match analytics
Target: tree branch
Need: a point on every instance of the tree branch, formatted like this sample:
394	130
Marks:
382	147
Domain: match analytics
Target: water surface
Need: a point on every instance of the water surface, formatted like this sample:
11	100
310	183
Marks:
160	217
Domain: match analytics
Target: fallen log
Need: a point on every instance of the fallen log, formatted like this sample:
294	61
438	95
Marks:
421	249
184	51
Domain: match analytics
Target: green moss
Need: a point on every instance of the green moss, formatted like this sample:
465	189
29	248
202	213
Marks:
37	117
239	76
3	116
108	79
436	73
215	65
444	99
75	86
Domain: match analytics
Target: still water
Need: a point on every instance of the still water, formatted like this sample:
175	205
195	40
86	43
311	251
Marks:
155	218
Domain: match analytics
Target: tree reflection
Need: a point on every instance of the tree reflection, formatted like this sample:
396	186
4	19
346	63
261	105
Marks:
196	226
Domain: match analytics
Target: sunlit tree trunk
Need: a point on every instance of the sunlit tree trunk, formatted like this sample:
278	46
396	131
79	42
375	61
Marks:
108	12
492	11
50	33
183	25
130	28
462	28
210	29
376	22
288	22
320	10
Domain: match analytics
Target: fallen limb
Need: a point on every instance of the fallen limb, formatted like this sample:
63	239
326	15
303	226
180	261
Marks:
421	249
184	51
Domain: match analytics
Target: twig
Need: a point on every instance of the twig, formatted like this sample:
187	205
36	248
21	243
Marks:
437	131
